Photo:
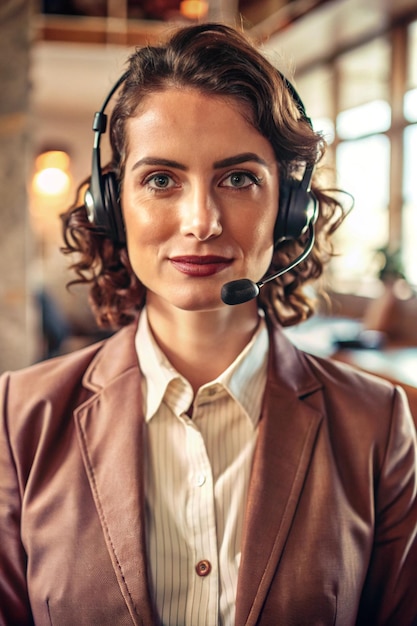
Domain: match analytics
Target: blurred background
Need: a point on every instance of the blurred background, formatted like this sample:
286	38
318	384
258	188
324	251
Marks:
354	64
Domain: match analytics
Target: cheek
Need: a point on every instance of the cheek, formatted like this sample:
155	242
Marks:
143	225
258	235
261	229
140	240
263	242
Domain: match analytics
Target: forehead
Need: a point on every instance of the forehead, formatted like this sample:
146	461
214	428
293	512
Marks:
189	115
188	93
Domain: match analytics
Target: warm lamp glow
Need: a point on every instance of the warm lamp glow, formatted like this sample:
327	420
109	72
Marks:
53	158
52	177
51	182
194	9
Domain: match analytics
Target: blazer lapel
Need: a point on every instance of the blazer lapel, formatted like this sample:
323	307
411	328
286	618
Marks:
110	428
287	433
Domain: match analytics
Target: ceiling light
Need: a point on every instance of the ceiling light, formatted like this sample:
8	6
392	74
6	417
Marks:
194	9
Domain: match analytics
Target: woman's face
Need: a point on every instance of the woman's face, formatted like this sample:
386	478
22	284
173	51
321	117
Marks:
199	197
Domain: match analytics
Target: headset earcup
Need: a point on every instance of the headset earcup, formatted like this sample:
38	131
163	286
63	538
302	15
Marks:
297	208
101	201
115	225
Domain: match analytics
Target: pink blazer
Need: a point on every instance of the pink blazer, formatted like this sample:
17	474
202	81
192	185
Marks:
330	527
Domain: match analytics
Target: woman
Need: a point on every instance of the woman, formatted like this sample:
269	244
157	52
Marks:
196	468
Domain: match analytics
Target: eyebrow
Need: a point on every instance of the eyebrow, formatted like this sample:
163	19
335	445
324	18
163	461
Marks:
158	161
227	162
239	158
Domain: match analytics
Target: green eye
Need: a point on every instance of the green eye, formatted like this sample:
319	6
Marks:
240	180
161	181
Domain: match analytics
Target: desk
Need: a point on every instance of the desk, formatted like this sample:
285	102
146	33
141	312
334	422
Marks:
398	364
395	363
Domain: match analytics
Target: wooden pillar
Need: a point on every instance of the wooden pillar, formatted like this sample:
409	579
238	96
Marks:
17	328
225	11
397	90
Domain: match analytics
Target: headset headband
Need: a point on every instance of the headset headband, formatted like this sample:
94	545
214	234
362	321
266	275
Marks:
298	207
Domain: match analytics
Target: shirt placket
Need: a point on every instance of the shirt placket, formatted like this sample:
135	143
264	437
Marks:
201	521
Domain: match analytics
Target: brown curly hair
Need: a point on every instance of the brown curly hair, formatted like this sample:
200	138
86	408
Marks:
214	59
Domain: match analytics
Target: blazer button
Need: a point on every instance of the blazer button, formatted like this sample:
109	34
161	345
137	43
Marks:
203	568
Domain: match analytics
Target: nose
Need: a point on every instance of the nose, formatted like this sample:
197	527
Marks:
200	215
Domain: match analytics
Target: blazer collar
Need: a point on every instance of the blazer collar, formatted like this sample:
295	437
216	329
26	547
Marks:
116	357
110	432
287	433
287	365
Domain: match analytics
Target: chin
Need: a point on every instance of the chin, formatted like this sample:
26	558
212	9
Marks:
200	306
196	299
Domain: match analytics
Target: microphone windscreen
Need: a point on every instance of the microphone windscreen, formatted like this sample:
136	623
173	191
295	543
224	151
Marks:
239	291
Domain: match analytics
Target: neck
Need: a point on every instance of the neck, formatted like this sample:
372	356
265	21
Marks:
201	345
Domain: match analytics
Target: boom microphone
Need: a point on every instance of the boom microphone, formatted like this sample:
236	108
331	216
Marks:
244	289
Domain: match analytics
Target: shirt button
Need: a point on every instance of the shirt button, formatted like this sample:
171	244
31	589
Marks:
203	568
200	480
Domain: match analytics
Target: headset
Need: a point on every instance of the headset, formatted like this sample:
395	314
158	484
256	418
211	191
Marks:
298	206
102	198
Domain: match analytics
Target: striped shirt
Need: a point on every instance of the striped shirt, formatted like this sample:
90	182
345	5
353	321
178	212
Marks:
197	476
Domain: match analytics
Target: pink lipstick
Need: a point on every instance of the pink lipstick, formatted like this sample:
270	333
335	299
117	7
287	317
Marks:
194	265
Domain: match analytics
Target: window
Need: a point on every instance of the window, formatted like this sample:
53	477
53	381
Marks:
409	231
410	203
350	99
363	161
318	88
365	119
364	171
364	74
410	97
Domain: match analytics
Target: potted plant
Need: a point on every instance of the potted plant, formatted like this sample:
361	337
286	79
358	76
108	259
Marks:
391	267
381	313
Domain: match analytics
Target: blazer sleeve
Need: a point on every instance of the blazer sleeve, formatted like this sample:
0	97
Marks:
14	601
389	595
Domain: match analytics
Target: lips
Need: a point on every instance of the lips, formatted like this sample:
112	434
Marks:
193	265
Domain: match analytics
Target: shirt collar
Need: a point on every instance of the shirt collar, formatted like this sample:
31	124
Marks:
244	380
